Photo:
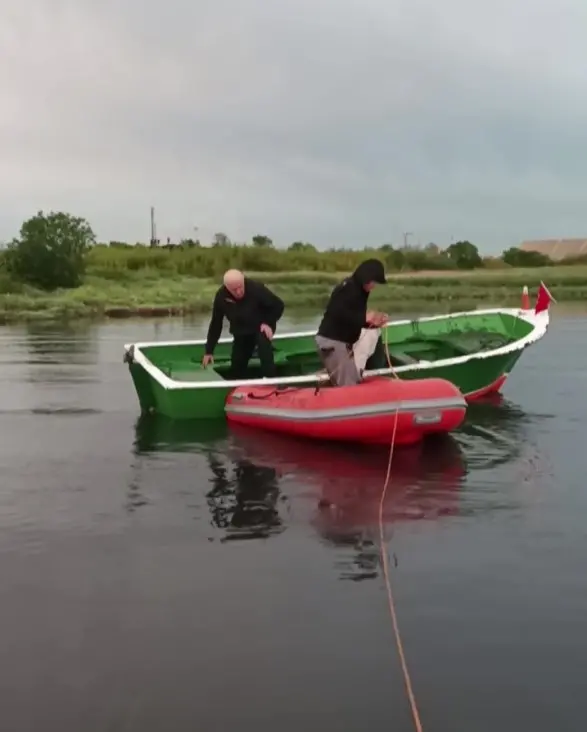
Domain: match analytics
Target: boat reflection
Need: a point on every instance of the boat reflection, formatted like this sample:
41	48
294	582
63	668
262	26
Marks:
244	503
335	488
155	433
424	478
244	498
495	433
344	487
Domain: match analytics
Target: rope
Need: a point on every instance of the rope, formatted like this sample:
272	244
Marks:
385	558
386	572
383	552
278	391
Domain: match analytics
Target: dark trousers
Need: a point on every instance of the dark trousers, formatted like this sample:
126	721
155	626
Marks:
242	350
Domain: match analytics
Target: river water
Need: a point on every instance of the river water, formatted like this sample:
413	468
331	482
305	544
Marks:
163	578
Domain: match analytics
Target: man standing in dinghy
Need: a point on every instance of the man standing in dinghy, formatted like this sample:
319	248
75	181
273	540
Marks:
252	311
349	334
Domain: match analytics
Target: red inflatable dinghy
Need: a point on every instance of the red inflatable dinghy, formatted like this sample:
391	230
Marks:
362	413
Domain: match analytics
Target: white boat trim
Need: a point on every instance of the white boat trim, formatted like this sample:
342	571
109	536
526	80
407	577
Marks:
540	323
355	412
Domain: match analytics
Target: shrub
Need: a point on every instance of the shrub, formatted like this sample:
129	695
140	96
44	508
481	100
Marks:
50	252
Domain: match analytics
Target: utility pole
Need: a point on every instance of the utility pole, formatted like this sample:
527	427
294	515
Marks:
153	228
406	234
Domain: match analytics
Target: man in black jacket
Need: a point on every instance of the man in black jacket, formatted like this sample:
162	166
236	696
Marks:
252	311
349	334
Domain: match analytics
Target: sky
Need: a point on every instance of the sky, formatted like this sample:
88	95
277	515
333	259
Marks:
338	122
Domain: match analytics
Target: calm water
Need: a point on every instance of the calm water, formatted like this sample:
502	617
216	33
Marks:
156	578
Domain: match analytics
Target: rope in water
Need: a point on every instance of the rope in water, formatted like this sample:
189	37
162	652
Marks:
385	558
385	566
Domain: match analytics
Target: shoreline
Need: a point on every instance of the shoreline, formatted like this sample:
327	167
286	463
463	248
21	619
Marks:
153	295
140	313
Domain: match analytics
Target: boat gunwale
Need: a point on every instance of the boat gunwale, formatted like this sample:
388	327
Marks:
539	321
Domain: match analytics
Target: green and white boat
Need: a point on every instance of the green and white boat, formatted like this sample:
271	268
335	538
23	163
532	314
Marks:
474	350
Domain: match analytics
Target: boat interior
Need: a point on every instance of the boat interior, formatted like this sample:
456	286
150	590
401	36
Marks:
299	357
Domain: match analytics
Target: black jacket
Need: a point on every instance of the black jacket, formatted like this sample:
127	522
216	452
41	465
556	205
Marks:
346	311
258	305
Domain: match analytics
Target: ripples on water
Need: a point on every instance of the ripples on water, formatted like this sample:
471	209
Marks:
161	575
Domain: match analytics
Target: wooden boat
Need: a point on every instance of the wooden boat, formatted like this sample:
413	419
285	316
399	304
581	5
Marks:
367	412
475	351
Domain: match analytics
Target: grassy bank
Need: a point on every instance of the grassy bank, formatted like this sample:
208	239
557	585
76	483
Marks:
150	292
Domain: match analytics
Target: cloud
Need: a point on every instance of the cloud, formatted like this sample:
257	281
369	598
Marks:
341	123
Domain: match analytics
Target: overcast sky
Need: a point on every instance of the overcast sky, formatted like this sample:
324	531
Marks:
340	122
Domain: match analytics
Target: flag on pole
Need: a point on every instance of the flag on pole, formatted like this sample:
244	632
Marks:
543	299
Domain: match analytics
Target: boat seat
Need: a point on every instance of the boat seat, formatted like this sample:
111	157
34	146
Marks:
201	374
190	371
401	358
460	347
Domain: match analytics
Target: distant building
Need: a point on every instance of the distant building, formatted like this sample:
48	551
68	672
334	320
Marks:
557	249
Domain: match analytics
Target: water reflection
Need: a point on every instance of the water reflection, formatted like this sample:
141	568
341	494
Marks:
425	478
244	498
497	432
61	343
338	488
155	434
244	503
345	488
61	355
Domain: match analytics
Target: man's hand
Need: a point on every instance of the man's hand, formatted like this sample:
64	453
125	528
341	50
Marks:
208	358
266	330
376	319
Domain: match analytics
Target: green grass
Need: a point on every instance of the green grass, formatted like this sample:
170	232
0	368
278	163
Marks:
138	292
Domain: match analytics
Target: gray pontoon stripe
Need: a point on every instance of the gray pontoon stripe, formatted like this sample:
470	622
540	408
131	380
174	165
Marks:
348	412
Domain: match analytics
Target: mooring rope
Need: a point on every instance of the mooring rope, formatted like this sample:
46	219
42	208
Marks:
385	558
382	548
385	565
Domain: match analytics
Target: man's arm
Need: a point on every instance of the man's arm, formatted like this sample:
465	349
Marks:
273	306
215	327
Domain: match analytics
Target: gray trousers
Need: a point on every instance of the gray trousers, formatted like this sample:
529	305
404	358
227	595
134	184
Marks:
338	362
344	367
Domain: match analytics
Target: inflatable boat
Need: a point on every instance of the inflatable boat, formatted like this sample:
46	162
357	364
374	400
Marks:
366	412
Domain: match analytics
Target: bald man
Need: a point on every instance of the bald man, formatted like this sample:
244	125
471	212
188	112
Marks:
252	311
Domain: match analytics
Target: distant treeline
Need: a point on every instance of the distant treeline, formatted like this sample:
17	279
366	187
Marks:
56	250
190	258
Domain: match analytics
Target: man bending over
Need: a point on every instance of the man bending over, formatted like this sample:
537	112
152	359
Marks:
349	334
252	311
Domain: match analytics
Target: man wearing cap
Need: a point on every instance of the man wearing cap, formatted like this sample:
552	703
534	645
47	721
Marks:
349	334
252	311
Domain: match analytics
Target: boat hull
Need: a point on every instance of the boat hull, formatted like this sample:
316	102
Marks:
169	381
484	378
370	412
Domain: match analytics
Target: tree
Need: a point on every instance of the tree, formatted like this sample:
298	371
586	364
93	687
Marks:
260	240
221	240
464	254
190	243
516	257
50	251
300	246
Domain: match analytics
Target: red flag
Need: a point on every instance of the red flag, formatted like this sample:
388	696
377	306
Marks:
543	299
